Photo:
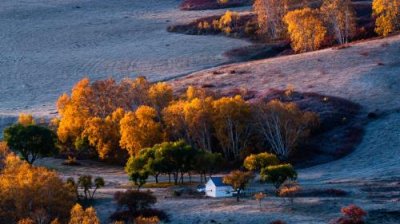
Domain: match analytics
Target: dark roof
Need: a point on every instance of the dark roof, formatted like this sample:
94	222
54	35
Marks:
218	182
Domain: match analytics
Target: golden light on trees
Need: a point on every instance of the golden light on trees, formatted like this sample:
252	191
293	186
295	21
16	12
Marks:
340	17
22	184
231	117
387	13
140	129
306	29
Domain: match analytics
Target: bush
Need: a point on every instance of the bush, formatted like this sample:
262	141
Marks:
352	214
133	204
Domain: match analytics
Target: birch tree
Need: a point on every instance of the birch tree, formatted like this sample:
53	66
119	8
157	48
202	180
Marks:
387	13
283	125
340	18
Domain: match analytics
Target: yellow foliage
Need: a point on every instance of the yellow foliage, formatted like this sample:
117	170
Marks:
147	220
387	14
104	134
81	216
91	105
140	129
22	184
228	21
26	221
306	30
270	15
26	119
340	16
231	122
160	94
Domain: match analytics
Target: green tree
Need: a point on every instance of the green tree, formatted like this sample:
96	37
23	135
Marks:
278	174
85	182
31	141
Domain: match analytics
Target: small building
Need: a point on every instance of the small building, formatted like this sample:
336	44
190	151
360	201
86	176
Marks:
216	188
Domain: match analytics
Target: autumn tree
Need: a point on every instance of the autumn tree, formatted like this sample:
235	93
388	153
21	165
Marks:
255	162
160	95
30	142
83	216
99	100
4	152
238	180
283	125
104	135
306	29
26	119
140	129
175	122
340	17
190	120
278	174
232	123
43	190
270	14
387	13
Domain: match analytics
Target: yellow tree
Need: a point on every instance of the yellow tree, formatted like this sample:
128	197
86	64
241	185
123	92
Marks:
97	100
238	180
283	125
340	17
175	123
74	112
231	118
198	119
104	135
160	95
306	29
270	15
81	216
21	185
140	129
387	13
26	119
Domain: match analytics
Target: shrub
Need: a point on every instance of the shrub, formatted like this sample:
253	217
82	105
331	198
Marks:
352	214
133	204
145	220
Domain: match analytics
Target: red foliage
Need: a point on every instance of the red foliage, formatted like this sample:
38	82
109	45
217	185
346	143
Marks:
352	214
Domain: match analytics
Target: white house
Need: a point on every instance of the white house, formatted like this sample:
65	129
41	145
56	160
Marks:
216	188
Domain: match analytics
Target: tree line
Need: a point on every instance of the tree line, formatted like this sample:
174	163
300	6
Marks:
120	119
309	28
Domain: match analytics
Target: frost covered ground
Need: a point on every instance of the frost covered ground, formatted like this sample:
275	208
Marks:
48	45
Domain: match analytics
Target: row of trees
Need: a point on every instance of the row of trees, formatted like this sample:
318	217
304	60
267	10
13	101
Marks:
310	28
120	119
172	158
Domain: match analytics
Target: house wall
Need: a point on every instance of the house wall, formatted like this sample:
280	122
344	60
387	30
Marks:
216	192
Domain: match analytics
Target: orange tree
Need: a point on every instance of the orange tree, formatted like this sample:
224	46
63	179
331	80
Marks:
238	180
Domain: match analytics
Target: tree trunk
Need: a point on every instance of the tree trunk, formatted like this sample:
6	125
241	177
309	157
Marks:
237	195
156	177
